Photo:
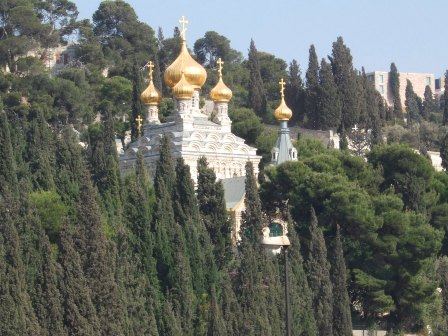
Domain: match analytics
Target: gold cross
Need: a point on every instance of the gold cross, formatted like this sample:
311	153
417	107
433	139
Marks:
139	120
184	23
151	69
282	87
220	64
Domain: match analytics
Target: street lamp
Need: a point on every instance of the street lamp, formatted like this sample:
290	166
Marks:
274	245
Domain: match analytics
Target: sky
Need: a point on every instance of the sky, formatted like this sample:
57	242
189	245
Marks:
378	32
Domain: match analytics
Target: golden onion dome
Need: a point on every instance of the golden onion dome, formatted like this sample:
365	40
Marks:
184	63
183	89
151	96
283	112
220	93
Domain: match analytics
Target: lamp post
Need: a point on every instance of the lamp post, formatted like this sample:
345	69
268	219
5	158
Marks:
274	244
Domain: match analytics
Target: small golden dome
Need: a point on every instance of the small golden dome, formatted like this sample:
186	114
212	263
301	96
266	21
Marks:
183	89
220	93
283	112
184	63
151	96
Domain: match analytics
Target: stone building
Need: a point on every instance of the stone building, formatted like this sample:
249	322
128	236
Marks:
192	133
419	82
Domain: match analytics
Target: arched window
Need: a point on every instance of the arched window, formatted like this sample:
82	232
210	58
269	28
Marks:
276	230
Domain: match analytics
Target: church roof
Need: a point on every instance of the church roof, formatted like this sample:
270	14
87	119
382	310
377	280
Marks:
234	190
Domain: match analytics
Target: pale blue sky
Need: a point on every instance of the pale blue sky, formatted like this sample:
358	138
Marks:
410	33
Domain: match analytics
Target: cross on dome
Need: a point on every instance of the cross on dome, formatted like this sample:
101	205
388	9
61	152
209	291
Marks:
220	64
151	69
139	120
184	23
282	87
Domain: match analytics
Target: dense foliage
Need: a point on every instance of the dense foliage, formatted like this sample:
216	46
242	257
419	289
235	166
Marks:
84	251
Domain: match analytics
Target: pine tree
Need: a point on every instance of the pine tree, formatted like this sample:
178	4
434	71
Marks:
295	93
342	322
79	313
318	269
168	323
213	212
312	90
394	86
345	78
411	104
257	94
328	103
443	273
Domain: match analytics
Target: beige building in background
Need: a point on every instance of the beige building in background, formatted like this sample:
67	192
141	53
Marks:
419	82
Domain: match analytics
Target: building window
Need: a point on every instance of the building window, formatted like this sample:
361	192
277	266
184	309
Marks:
381	89
275	230
381	79
428	81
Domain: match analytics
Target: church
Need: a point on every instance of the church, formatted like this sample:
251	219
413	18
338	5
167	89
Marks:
194	134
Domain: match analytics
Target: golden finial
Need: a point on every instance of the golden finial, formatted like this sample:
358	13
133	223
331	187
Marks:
139	120
184	23
151	70
282	87
220	64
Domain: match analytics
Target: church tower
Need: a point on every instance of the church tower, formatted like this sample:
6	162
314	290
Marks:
283	150
151	98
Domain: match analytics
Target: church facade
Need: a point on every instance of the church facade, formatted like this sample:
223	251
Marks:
192	133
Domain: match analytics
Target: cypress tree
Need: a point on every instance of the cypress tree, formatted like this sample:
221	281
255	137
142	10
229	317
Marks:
411	104
257	94
47	300
318	269
8	177
40	146
165	166
444	151
345	78
138	108
361	85
216	323
252	216
197	239
342	322
429	103
79	313
98	257
394	87
374	102
168	323
302	317
312	90
17	317
445	99
213	212
294	92
230	307
328	102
